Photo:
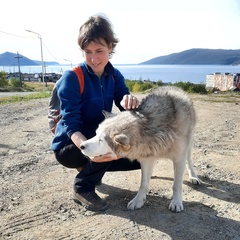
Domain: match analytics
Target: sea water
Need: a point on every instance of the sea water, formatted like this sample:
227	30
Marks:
174	73
164	73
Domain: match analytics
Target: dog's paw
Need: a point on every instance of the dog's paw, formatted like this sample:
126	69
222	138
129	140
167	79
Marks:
195	180
176	206
136	203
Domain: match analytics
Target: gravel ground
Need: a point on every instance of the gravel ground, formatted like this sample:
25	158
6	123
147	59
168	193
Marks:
36	192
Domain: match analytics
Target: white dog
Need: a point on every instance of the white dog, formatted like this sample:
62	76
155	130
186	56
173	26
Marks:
162	127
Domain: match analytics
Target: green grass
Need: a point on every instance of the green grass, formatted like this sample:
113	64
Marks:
32	96
39	91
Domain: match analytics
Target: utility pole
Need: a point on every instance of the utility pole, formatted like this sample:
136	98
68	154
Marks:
68	61
40	37
19	71
45	67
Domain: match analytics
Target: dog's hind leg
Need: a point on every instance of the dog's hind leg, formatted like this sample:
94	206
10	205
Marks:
146	170
179	167
193	178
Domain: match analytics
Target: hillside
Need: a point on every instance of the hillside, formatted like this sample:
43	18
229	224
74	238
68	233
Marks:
9	59
199	57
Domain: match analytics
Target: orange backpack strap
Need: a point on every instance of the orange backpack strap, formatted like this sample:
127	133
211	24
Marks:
79	73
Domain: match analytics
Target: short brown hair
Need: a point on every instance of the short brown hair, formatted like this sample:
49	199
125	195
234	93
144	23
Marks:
95	28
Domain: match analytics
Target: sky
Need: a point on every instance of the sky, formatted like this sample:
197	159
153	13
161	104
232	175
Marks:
145	28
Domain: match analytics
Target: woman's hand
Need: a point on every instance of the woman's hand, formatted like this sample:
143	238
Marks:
129	102
104	158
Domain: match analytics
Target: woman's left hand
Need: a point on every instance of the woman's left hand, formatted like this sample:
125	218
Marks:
104	158
129	102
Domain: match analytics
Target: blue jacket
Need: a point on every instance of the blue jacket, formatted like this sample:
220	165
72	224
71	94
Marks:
83	112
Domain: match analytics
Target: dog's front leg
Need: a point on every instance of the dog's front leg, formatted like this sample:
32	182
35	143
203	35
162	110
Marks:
176	203
146	170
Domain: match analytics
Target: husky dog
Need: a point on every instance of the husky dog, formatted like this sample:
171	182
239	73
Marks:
162	127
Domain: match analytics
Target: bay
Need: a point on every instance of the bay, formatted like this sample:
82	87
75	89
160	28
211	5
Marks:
165	73
174	73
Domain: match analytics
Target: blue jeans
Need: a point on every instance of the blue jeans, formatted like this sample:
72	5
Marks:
85	181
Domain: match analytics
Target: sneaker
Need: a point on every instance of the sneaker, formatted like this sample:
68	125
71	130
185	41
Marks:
90	200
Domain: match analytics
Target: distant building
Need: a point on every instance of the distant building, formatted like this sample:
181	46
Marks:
223	81
37	77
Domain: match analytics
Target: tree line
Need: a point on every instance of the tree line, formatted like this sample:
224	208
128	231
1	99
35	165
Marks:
133	85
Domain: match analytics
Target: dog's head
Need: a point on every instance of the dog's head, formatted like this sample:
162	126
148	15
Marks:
113	136
97	146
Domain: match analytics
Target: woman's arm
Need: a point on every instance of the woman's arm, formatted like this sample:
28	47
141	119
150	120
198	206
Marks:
78	138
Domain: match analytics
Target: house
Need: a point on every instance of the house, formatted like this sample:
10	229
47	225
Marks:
223	81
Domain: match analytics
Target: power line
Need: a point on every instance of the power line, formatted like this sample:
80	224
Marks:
50	53
13	34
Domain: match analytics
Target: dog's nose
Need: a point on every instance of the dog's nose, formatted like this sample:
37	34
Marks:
82	147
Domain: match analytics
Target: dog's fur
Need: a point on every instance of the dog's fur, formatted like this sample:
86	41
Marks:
162	127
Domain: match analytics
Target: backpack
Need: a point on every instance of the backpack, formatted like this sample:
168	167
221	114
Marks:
54	115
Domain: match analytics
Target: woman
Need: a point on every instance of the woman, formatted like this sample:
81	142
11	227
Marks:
82	113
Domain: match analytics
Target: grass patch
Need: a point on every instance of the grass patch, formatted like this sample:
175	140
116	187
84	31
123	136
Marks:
38	86
27	87
29	97
39	91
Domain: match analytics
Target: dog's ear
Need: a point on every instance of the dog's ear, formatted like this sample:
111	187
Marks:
122	140
107	114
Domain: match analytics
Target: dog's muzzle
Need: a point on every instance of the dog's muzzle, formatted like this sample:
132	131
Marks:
82	147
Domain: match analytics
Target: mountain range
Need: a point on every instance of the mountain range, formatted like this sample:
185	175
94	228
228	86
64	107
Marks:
10	59
199	56
195	56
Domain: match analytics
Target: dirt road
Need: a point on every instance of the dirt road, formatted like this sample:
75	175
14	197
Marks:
10	94
36	192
